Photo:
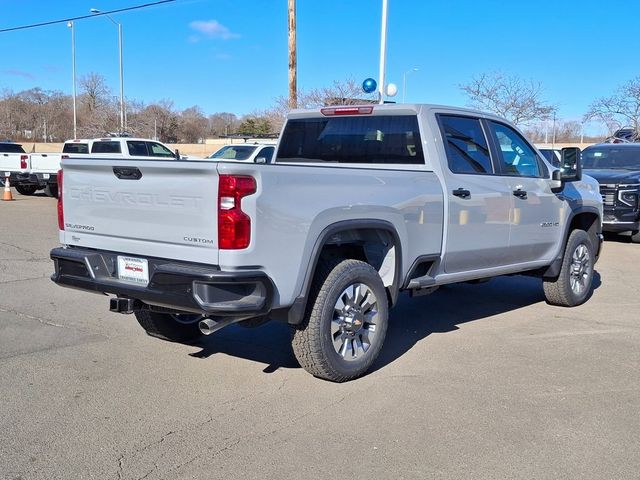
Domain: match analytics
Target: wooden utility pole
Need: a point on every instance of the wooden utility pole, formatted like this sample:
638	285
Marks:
293	62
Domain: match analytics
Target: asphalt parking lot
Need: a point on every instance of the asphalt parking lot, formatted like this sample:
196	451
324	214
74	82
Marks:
475	381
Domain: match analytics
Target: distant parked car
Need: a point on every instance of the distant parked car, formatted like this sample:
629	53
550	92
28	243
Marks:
617	168
624	135
552	155
245	152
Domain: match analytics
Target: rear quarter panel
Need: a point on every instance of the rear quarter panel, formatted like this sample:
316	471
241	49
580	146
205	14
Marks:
295	203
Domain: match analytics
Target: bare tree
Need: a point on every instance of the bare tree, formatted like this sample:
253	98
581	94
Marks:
342	92
511	97
193	125
222	123
620	109
94	91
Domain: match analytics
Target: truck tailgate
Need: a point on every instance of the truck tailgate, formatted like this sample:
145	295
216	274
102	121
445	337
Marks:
165	209
45	162
10	162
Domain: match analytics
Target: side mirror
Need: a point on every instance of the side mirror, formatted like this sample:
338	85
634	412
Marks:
261	160
177	154
570	164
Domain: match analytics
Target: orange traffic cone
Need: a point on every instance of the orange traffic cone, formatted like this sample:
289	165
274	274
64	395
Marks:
7	196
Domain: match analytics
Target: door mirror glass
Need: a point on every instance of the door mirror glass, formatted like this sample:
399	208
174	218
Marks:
570	164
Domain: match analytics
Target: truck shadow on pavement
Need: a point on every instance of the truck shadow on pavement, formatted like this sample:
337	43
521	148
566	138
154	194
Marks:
412	320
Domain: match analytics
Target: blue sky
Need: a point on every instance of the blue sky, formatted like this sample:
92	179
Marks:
231	55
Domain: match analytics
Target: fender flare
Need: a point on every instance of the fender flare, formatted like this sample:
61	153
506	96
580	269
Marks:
296	311
554	268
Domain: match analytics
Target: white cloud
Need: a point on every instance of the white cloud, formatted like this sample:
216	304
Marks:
212	29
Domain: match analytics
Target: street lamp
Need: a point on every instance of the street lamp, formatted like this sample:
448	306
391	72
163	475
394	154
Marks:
404	81
123	120
73	68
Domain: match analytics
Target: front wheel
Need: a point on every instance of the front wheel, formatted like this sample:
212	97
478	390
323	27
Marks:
171	327
26	189
345	322
574	284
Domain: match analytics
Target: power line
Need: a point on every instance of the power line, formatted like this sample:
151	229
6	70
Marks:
91	15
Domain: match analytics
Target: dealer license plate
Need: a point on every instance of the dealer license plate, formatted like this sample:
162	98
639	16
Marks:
134	270
45	176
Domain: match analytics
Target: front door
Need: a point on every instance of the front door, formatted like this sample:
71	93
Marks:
537	212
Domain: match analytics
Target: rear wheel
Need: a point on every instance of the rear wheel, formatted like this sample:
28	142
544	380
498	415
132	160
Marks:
26	189
574	284
172	327
51	190
345	323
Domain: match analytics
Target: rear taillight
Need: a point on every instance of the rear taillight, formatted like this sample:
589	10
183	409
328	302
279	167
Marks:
23	161
234	226
60	209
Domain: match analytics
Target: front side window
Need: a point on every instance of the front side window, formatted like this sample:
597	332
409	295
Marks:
466	145
518	158
381	139
105	147
266	153
159	150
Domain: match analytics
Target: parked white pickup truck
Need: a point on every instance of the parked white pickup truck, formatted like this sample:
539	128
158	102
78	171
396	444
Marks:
42	168
359	204
14	162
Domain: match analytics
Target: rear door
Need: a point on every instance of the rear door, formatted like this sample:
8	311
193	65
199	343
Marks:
152	208
479	200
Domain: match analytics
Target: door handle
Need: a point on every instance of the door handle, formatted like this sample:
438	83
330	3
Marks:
462	193
520	193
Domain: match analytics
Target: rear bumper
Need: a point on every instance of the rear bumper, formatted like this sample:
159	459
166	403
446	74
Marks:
175	285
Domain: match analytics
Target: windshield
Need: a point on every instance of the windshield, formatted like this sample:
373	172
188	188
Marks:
598	157
234	152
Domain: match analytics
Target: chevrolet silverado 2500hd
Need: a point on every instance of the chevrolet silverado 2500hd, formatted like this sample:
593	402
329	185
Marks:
358	204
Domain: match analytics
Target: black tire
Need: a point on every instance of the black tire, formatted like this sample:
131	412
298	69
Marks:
174	328
575	283
635	237
51	190
26	189
316	346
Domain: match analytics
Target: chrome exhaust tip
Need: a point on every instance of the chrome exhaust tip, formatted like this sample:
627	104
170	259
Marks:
207	326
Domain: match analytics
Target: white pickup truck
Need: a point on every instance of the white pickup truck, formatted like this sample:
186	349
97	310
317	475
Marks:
41	169
14	162
359	204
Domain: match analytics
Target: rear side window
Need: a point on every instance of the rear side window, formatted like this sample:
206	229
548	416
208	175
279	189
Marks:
465	144
11	148
137	148
384	139
106	147
75	148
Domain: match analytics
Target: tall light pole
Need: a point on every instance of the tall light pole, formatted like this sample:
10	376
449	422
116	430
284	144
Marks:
404	81
123	118
73	68
383	51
